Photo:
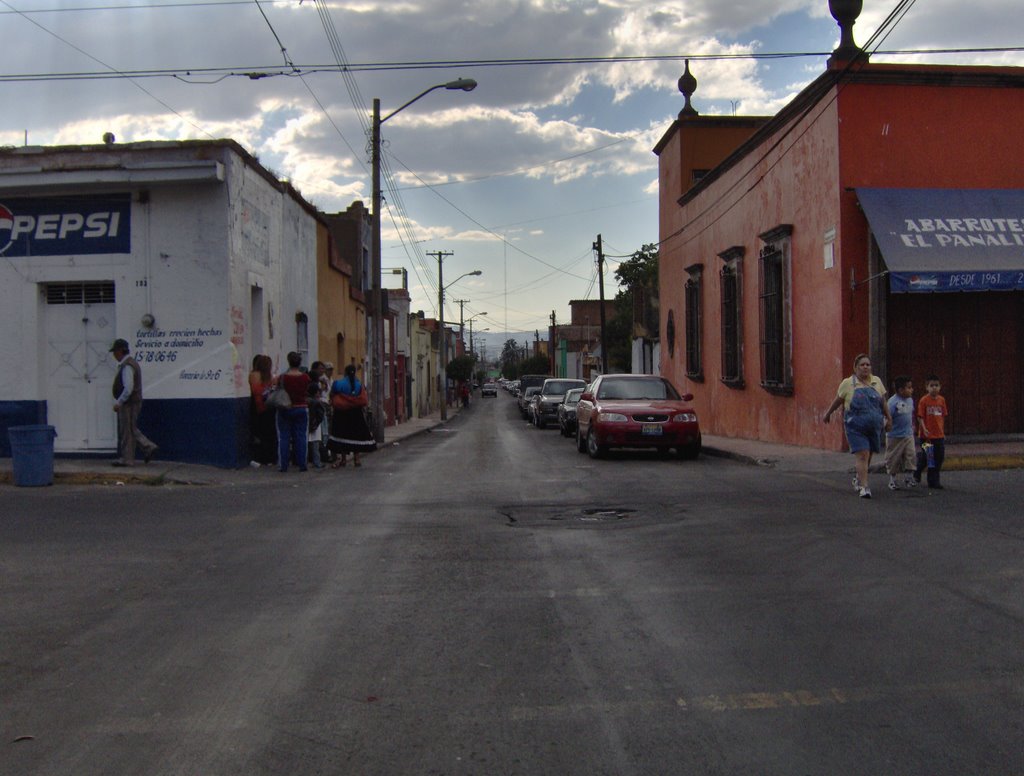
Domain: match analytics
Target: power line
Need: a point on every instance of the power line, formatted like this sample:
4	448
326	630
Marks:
890	22
85	53
257	72
150	6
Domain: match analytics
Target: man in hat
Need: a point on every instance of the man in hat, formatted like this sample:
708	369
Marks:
128	405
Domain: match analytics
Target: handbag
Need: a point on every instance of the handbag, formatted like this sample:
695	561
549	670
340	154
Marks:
278	399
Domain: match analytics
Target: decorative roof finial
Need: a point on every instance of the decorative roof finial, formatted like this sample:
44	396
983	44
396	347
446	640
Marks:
688	85
845	12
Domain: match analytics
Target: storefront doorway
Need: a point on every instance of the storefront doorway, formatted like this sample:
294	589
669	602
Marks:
78	370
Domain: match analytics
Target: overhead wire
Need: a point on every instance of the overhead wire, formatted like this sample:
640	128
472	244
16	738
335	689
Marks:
85	53
886	27
257	72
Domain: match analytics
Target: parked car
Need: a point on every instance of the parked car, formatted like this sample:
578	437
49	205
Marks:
567	412
524	400
489	389
525	381
636	411
545	405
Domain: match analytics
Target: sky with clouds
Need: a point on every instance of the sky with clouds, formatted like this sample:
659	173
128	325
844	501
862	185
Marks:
516	178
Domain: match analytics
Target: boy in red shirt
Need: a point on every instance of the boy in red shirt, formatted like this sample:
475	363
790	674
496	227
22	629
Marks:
931	420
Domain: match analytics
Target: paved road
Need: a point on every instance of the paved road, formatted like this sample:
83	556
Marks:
484	600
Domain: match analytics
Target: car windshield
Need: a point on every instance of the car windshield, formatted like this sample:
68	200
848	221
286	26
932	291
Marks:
654	388
573	397
532	391
559	387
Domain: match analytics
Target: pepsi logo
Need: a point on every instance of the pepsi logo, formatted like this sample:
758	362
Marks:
6	228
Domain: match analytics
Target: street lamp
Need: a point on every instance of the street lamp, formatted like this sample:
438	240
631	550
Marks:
377	306
462	334
443	350
471	336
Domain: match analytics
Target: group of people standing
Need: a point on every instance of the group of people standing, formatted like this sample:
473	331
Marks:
867	414
324	422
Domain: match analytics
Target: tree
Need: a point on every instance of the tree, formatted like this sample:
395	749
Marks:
509	360
535	365
461	368
638	279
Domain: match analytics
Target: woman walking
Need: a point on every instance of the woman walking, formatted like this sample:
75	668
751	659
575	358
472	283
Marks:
865	415
350	432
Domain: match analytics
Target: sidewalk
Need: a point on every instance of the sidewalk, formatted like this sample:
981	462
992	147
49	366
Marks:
961	454
1005	452
98	470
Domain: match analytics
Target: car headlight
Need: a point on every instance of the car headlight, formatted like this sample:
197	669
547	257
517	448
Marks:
612	417
685	417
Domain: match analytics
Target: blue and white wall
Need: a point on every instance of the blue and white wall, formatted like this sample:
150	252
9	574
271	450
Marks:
211	262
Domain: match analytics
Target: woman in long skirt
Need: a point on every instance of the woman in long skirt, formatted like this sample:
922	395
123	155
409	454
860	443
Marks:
350	433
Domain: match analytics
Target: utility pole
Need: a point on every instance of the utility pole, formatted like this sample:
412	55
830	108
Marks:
443	343
462	326
600	284
551	345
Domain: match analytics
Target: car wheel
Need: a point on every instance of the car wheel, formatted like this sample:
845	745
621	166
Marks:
581	444
594	450
541	423
690	451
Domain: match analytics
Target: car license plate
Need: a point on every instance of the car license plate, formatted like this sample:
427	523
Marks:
651	429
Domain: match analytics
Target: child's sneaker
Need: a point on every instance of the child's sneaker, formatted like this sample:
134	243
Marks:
909	482
865	492
893	485
856	484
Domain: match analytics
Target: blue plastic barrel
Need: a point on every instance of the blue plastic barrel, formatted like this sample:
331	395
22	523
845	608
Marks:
32	454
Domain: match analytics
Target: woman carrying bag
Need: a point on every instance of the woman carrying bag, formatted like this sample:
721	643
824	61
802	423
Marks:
350	433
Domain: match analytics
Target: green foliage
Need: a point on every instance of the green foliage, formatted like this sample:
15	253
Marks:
460	368
534	365
510	358
635	275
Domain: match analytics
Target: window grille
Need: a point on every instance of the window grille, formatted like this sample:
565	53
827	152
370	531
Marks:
694	324
776	331
101	292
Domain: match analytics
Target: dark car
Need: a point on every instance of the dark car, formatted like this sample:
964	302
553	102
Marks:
567	412
526	381
636	411
525	398
545	406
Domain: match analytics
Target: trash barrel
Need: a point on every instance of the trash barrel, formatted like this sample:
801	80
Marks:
32	454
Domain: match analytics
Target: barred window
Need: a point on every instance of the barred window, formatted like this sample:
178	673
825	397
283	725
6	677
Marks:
694	323
732	317
776	328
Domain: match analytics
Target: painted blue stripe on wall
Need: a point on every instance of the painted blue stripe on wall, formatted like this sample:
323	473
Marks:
214	432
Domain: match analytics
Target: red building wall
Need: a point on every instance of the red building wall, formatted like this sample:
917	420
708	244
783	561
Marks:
896	127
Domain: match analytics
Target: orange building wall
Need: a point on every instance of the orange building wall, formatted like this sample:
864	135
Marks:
338	313
735	218
925	131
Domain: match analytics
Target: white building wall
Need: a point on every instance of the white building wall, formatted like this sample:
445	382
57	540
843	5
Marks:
206	227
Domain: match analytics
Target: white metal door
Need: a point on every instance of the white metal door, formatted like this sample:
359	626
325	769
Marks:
79	327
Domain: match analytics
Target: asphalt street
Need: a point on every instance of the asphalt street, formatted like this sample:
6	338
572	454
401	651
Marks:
485	600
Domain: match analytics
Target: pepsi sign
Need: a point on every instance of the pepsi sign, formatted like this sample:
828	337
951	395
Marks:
66	226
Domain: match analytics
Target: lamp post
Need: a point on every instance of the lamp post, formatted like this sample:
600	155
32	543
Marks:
442	368
470	321
471	336
377	308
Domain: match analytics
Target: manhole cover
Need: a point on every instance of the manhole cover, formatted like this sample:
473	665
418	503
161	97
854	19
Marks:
604	514
578	516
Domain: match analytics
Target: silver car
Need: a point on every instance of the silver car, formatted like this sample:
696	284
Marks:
545	406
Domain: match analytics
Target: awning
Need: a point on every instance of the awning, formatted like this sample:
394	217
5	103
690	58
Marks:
949	239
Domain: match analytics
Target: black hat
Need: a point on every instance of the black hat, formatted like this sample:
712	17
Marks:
119	344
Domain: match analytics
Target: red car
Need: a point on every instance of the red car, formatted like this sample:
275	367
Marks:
636	411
